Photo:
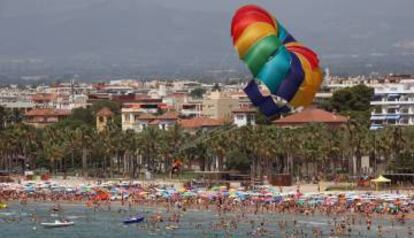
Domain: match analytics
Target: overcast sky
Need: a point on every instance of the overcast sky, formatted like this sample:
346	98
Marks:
196	32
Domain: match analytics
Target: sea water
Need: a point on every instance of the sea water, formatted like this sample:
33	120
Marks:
24	222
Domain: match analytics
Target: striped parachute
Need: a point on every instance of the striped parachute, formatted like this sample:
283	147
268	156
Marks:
286	67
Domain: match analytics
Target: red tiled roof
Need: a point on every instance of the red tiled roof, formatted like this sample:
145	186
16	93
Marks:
146	117
312	115
43	97
177	94
168	116
244	110
100	96
47	112
199	122
154	122
106	112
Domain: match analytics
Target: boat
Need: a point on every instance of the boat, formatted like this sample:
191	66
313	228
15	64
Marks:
171	227
3	206
56	208
57	224
132	220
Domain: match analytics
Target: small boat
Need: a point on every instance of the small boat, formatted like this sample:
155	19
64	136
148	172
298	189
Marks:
3	206
57	223
171	227
132	220
56	208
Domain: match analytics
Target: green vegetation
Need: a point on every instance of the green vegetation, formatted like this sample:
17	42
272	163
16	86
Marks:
198	93
353	102
75	146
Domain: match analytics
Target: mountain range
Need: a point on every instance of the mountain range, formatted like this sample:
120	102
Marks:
176	36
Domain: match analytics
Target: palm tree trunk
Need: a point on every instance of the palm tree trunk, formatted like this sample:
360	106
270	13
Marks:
358	161
84	163
307	167
111	166
220	163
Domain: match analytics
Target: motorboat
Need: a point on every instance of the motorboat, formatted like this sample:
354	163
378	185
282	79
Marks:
133	220
57	223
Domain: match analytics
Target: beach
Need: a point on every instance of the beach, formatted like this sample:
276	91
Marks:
171	210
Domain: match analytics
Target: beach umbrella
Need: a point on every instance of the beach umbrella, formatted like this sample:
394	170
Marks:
300	202
189	194
143	193
233	196
215	188
223	188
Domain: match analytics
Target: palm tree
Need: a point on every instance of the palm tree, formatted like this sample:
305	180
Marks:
170	143
53	147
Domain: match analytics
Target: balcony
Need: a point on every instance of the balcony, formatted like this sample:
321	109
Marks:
190	112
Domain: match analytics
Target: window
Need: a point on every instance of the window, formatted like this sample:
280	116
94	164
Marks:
377	122
239	117
101	119
378	110
251	118
377	98
404	121
392	111
392	121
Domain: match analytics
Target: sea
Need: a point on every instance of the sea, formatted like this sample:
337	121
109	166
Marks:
19	221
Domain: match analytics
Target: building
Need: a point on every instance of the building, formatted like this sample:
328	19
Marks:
20	106
41	117
311	115
44	99
143	121
393	104
103	116
244	117
218	105
166	121
195	124
128	117
192	108
131	112
137	121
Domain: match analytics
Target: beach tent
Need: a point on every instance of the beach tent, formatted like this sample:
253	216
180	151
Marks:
102	195
379	180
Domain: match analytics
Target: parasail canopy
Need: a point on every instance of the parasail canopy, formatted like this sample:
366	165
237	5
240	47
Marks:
289	70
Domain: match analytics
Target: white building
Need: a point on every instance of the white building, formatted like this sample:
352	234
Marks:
393	104
192	108
134	119
244	117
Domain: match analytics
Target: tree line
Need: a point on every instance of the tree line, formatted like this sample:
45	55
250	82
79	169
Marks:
75	146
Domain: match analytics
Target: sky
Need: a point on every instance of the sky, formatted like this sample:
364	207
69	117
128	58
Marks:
162	35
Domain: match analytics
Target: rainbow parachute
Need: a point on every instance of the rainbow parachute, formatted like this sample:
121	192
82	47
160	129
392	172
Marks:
288	69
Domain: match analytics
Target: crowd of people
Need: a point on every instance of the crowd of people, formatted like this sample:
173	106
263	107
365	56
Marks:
233	206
